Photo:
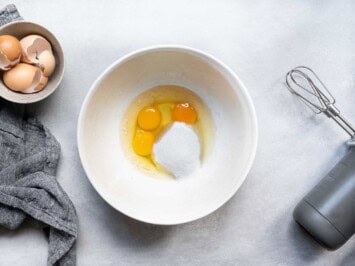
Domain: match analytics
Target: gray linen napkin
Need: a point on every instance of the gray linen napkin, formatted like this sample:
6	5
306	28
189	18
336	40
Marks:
29	155
9	14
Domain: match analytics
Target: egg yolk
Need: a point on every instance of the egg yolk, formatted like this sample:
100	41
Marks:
143	142
184	112
149	118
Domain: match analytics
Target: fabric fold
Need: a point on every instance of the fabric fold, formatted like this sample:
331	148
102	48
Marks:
29	156
9	14
28	188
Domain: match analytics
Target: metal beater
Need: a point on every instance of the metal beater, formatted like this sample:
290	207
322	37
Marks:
304	83
327	211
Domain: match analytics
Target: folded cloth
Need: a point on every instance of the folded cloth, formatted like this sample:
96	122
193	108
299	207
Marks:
29	156
9	14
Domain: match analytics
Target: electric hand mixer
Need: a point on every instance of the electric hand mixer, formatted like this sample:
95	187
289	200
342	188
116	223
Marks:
327	212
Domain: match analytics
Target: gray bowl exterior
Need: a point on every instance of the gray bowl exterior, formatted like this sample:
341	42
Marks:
20	29
327	212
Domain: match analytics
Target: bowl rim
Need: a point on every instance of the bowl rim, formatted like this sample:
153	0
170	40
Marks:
169	47
60	53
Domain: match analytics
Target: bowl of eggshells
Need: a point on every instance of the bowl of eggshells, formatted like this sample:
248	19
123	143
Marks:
167	134
31	62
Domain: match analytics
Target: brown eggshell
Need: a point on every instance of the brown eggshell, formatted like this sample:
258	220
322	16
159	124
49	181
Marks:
32	47
25	78
38	51
5	64
47	62
10	51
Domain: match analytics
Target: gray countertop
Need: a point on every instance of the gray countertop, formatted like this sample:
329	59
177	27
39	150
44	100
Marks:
260	41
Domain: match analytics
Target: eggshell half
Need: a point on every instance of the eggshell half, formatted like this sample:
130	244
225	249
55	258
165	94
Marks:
38	51
25	78
10	51
47	62
5	64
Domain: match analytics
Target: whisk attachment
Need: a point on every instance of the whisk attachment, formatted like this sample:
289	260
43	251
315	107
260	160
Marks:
326	212
307	86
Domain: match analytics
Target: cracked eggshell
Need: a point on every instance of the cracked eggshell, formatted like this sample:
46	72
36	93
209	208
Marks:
10	51
38	51
47	62
25	78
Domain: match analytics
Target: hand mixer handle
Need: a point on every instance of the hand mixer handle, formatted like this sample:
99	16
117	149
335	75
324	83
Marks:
327	212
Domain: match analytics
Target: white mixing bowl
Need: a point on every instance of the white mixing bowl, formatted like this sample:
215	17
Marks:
120	182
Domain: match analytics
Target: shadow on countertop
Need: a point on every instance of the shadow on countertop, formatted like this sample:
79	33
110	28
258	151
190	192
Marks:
147	236
143	235
310	250
349	259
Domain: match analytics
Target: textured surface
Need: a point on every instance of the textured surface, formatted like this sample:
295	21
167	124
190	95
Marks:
260	41
28	187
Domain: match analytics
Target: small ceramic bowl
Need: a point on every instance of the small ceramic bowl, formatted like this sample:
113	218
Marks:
121	183
21	29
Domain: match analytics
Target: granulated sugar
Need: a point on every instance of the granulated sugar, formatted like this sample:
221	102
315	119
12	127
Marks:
178	150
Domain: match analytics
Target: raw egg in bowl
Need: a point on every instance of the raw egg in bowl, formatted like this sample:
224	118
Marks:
167	134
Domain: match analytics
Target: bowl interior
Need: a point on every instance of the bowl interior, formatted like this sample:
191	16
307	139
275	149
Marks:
120	182
21	29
